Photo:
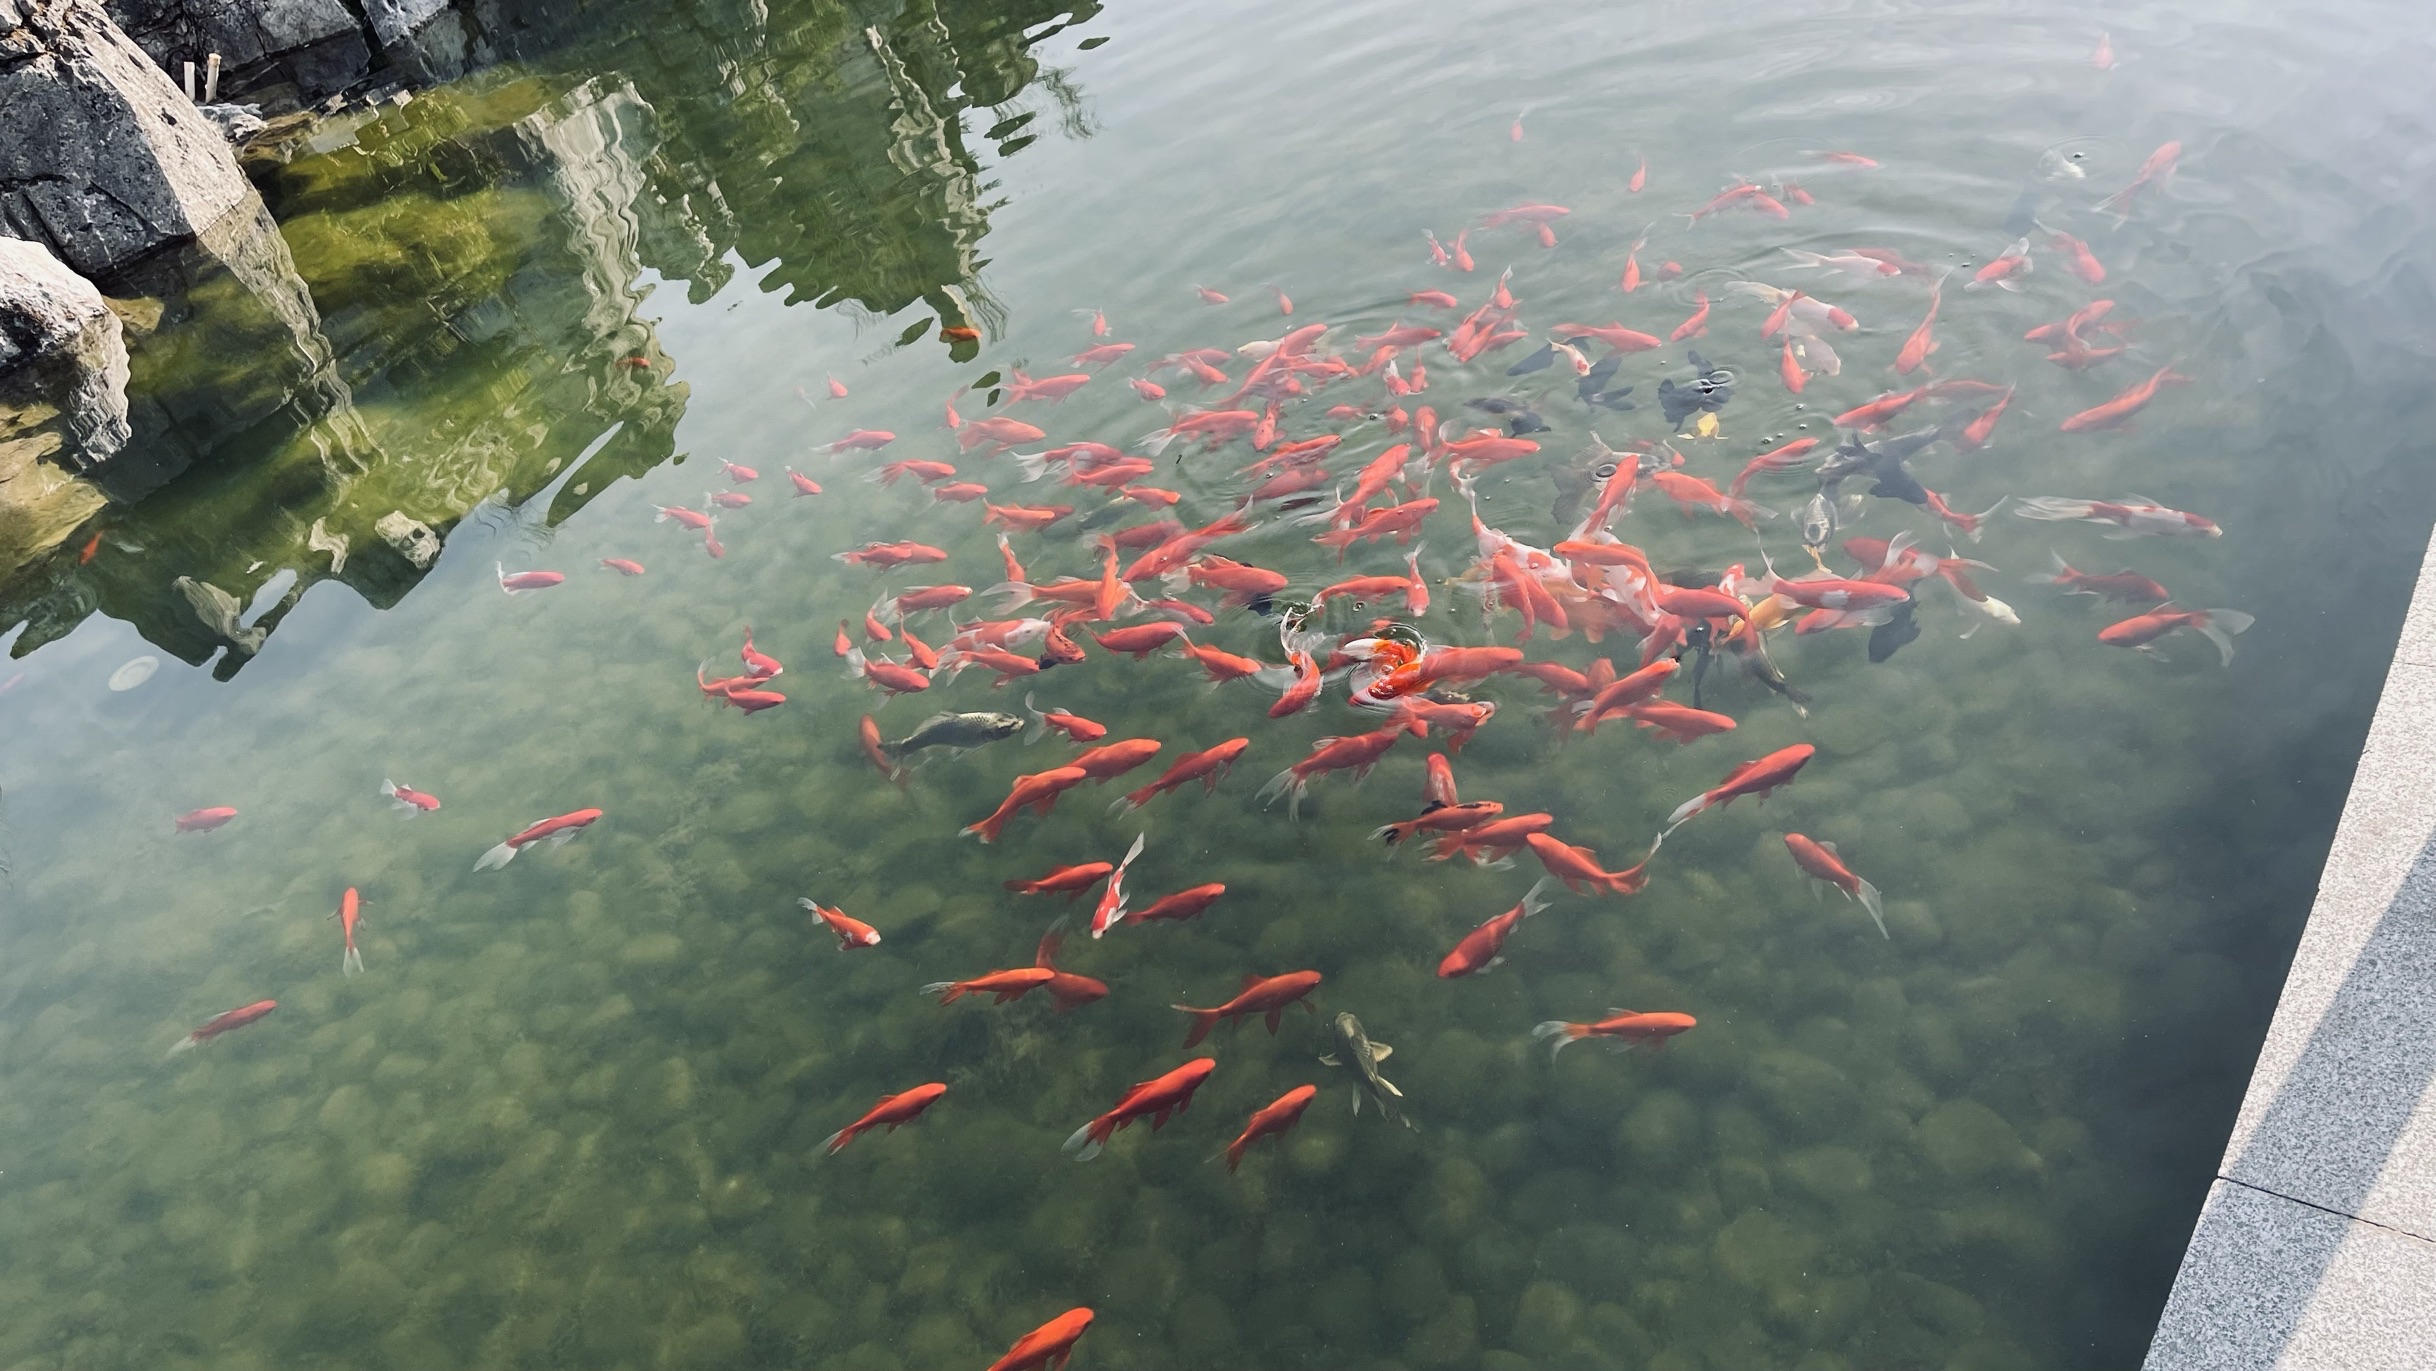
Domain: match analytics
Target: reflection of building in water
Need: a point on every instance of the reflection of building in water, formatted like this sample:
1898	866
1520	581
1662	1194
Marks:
445	313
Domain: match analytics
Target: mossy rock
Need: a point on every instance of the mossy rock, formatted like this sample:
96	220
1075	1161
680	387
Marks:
1967	1140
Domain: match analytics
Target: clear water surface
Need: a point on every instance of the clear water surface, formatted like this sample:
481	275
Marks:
570	1115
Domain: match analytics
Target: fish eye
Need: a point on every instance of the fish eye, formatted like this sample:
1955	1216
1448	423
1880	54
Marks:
1604	470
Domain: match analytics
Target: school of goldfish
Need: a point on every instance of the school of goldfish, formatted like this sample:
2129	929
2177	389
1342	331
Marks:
1348	441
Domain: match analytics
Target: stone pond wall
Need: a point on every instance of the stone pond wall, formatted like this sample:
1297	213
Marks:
108	170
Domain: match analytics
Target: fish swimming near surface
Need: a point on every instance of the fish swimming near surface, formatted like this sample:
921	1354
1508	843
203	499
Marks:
960	732
1047	1347
222	1023
555	831
1537	361
1709	389
1356	1051
1621	1031
1900	628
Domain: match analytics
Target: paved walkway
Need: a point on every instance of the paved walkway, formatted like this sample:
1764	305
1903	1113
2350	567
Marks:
2316	1250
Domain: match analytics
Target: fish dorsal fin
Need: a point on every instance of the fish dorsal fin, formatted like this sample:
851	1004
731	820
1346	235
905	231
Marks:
1830	849
940	717
2138	499
1252	978
1615	1013
1380	1051
1329	1059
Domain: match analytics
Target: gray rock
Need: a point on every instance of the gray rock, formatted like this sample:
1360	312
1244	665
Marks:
395	21
105	160
235	122
61	348
316	44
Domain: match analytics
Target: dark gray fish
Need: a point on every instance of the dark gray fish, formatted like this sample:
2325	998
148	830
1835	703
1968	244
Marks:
1594	381
1615	400
1696	641
1355	1049
1524	423
1710	388
958	731
1882	463
1888	638
2024	218
1537	361
1762	668
1576	478
1497	404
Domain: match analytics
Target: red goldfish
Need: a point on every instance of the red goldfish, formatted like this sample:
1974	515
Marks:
1751	778
1623	1030
556	831
1479	949
1206	766
1819	862
851	932
221	1023
890	1111
350	961
1268	996
1274	1118
1154	1099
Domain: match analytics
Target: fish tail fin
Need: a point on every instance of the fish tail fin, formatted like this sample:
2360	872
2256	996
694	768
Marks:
1747	512
1688	808
836	1142
1535	899
1155	442
1565	1034
496	858
2220	625
186	1044
1034	465
1086	1141
1040	721
1876	905
2051	507
351	963
1234	1156
947	991
2056	576
1014	594
1204	1020
1278	785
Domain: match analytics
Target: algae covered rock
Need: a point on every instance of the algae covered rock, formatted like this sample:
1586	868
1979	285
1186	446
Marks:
1966	1139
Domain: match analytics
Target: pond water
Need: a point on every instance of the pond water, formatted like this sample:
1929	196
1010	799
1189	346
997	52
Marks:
572	1112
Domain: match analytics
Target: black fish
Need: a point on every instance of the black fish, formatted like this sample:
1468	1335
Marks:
1615	400
1526	422
2024	217
1696	642
1888	638
1595	380
1710	389
1497	404
1762	667
1537	361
